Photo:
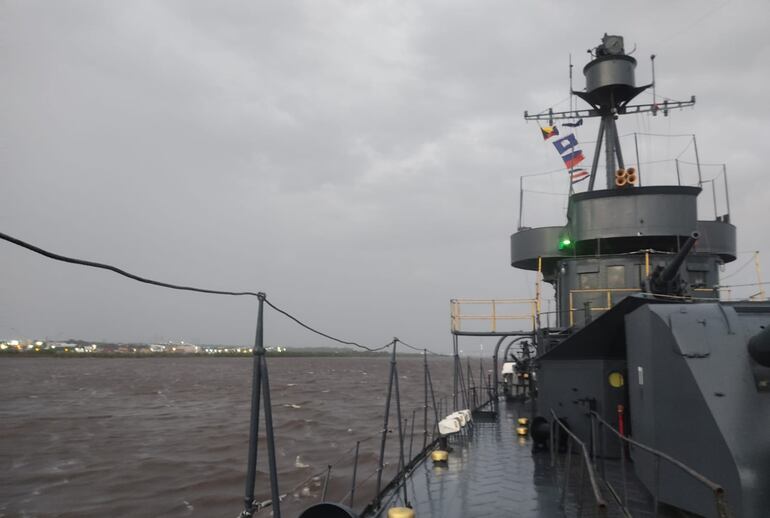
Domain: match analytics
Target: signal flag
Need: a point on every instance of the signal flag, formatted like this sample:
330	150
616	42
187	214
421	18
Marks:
566	143
549	131
575	124
579	175
573	159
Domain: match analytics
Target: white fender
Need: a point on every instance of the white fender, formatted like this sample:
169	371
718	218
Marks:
449	425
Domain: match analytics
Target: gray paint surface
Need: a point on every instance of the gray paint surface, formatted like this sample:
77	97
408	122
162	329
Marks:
718	238
692	395
617	70
529	244
638	211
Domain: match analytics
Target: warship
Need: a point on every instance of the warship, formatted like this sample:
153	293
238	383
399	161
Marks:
645	392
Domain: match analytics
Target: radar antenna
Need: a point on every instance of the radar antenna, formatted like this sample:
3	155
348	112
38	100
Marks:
610	87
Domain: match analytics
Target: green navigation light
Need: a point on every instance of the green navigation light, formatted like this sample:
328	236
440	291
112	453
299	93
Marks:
565	243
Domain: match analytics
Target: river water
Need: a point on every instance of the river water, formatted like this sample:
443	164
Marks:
168	436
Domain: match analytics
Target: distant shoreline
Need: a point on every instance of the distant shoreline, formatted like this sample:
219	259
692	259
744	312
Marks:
270	354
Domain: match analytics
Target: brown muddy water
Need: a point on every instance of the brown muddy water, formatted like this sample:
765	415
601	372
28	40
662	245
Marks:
94	437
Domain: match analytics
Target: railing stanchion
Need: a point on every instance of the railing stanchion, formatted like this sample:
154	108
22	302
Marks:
455	380
425	403
381	463
463	387
552	443
657	484
623	470
433	399
603	440
355	472
593	438
256	394
411	437
398	415
567	470
624	442
481	377
326	482
471	386
268	410
601	505
260	390
580	486
495	369
260	382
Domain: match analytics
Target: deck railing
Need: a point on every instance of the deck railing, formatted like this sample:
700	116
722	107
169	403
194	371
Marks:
597	424
493	312
585	469
609	298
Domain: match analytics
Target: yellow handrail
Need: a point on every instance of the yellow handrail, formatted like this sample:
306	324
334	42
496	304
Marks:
608	291
762	295
538	290
718	290
494	313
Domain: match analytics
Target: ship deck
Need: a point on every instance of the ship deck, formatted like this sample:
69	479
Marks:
492	471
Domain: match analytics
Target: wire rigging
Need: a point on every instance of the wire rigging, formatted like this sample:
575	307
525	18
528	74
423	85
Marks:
124	273
739	270
417	348
684	150
744	285
119	271
321	333
554	105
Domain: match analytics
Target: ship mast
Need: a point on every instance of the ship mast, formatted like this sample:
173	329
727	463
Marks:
610	87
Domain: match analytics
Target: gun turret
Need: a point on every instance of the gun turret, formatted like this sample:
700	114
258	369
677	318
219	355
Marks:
665	280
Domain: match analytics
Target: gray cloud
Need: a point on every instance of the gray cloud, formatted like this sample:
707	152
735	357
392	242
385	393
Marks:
358	161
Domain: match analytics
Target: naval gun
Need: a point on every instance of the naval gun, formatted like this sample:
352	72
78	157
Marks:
666	280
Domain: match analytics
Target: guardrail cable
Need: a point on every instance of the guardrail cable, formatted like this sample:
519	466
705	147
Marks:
418	349
325	335
145	280
119	271
362	482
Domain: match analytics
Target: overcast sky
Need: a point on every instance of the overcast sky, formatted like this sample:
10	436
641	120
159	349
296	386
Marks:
358	161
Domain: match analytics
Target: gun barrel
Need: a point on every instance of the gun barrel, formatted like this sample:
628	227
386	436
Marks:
670	271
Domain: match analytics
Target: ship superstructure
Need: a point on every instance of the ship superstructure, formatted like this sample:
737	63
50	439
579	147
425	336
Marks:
642	339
